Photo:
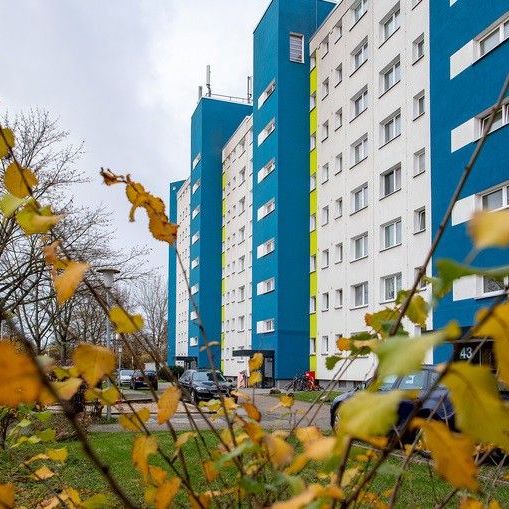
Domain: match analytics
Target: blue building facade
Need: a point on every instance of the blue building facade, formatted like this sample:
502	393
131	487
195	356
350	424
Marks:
281	145
469	56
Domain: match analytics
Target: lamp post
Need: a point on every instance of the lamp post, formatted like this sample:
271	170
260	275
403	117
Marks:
107	276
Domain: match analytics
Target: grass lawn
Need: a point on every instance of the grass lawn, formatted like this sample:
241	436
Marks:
115	449
311	396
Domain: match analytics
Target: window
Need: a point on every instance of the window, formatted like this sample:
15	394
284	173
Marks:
312	62
360	294
391	234
196	160
360	247
324	46
325	173
419	162
418	48
312	182
495	199
360	102
264	326
420	220
242	205
193	341
422	281
266	93
242	323
242	293
312	346
325	215
359	8
338	207
266	209
325	301
492	286
297	48
338	73
193	315
325	258
268	168
338	164
390	181
391	75
196	186
194	289
360	150
391	128
242	263
312	304
266	131
500	119
360	198
312	222
419	104
338	298
325	345
325	130
338	118
195	212
325	88
312	263
312	101
391	285
312	141
195	262
266	286
242	234
338	31
195	237
242	175
360	54
265	248
391	22
338	253
494	38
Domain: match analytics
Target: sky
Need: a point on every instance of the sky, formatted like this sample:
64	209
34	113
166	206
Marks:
123	76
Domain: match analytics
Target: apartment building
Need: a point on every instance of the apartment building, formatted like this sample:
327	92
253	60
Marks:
468	69
237	249
369	190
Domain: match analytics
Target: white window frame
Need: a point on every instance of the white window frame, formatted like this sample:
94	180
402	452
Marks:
419	99
312	222
312	101
196	186
267	208
484	118
418	43
419	156
418	214
338	252
266	286
397	281
196	160
196	237
361	242
296	37
481	285
325	88
325	130
325	215
338	31
312	304
325	258
338	119
312	263
325	302
195	262
359	8
395	171
267	131
324	350
390	127
338	208
364	287
338	75
503	188
363	189
338	298
266	170
324	173
312	182
324	46
195	211
392	20
338	163
499	31
360	102
312	142
395	236
266	93
265	326
390	75
360	55
312	346
360	150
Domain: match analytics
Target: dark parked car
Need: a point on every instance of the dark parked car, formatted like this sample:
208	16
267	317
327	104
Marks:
138	380
421	382
200	385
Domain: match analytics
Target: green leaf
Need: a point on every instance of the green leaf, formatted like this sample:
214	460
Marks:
47	435
98	501
9	204
378	321
331	361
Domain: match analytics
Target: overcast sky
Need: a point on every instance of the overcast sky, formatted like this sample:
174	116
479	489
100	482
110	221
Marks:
122	76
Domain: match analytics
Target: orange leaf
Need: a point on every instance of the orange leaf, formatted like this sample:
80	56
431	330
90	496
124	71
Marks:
279	451
143	447
166	493
93	362
19	181
134	421
168	404
124	322
7	496
252	411
68	281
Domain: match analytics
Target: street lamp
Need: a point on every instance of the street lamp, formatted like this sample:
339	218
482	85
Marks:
107	276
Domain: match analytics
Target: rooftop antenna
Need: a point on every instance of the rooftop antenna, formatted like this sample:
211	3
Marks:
209	90
200	92
249	89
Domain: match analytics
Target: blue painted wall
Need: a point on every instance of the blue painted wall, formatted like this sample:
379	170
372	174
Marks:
288	183
452	103
172	276
212	124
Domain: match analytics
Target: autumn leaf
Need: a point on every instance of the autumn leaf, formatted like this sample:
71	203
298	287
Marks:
490	228
59	455
496	327
124	322
109	178
254	431
166	493
19	181
20	378
378	321
9	138
43	473
108	396
98	501
7	496
320	449
458	468
252	411
134	421
161	228
286	400
255	362
210	470
93	362
143	447
308	434
254	378
34	219
297	465
279	451
168	404
65	389
301	500
182	439
9	204
480	412
343	344
68	281
50	253
418	308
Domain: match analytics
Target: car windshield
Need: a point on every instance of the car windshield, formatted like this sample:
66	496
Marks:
126	372
208	376
413	381
387	383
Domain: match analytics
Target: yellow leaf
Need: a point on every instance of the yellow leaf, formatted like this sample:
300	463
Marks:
256	362
369	414
298	463
124	322
9	204
59	455
42	474
254	430
496	327
252	411
320	449
279	451
166	493
93	362
168	404
470	503
19	181
20	379
157	474
50	253
255	378
490	229
110	395
33	219
161	228
9	138
458	468
480	413
65	389
308	434
67	282
286	400
210	470
343	344
7	497
303	499
134	421
98	501
182	439
418	308
143	447
204	498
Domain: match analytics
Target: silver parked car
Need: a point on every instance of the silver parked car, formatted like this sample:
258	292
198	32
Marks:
124	376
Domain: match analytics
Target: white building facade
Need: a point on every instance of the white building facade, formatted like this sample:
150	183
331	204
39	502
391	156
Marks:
371	178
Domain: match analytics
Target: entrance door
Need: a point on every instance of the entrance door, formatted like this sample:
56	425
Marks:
268	372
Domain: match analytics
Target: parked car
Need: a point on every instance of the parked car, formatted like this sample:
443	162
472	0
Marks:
138	380
200	385
418	383
124	376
